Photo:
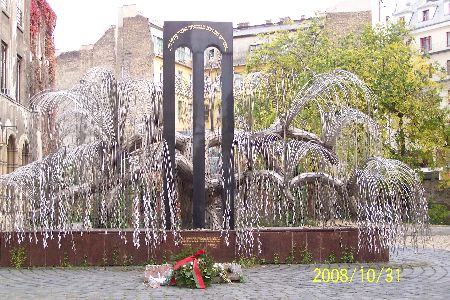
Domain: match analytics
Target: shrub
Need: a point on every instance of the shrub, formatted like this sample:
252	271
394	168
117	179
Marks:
247	262
439	214
290	259
276	258
17	257
307	256
65	262
127	260
347	256
84	262
331	259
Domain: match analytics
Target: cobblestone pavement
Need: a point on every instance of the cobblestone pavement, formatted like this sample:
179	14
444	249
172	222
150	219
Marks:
425	274
439	238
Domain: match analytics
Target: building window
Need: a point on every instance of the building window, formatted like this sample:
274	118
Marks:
448	39
448	67
20	13
211	53
4	59
425	44
18	76
26	154
206	113
158	45
180	109
425	15
238	80
180	74
181	55
11	154
253	47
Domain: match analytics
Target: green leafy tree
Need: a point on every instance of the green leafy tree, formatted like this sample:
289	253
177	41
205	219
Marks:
289	59
414	129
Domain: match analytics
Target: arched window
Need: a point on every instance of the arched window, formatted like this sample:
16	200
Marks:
11	154
25	153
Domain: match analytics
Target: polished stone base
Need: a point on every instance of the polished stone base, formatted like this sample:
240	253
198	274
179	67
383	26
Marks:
101	248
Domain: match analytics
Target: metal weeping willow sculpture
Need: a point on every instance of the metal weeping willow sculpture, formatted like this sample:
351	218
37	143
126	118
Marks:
100	172
93	171
292	177
107	165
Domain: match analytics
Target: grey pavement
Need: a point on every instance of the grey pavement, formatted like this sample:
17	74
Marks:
440	230
423	274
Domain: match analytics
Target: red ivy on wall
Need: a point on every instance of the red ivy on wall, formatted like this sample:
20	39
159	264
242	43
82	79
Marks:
42	26
43	64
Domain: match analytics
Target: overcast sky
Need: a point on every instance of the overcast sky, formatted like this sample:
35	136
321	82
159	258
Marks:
81	22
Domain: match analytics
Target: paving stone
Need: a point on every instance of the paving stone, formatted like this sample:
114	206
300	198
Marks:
424	274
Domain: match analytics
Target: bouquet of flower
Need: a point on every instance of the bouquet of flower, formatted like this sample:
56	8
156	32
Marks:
193	270
227	272
157	275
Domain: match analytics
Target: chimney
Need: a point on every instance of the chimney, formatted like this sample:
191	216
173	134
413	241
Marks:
285	20
127	11
243	25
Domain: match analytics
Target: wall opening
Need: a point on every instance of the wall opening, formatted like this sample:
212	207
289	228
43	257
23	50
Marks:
26	153
11	154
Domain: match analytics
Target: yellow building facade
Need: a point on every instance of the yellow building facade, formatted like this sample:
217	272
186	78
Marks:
183	90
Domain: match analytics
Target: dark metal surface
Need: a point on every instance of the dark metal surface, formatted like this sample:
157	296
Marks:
198	36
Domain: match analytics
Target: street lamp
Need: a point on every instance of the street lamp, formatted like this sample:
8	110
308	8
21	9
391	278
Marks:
380	2
379	10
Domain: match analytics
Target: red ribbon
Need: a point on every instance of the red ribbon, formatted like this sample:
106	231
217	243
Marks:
198	276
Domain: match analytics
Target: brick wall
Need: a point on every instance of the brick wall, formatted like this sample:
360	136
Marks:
135	48
103	51
341	24
130	54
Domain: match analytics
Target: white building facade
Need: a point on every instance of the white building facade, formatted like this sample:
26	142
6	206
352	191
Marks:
429	21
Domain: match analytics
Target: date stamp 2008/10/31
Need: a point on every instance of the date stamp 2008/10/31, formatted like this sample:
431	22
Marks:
362	274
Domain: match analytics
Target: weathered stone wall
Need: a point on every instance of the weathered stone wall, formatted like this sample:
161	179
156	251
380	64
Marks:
340	24
71	66
17	39
18	124
130	54
16	120
103	51
73	69
135	48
